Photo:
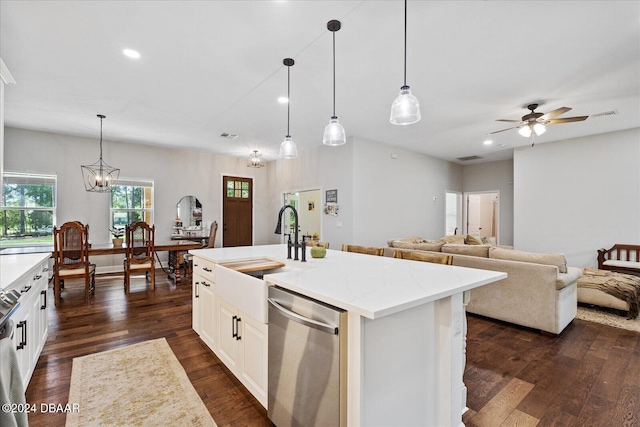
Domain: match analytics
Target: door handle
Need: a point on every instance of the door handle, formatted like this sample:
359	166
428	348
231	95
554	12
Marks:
324	327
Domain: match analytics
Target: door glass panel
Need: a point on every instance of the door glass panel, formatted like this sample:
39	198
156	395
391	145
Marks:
245	185
245	194
238	193
229	192
229	184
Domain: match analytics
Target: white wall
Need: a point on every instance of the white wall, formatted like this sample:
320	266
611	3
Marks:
176	173
494	176
578	195
328	168
394	197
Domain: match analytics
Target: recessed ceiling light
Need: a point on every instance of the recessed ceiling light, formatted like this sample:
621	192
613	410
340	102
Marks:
503	145
283	100
488	142
131	53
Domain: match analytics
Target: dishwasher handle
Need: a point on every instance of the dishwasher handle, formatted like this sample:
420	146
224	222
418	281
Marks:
324	327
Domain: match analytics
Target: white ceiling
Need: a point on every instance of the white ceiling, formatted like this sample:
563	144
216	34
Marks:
209	67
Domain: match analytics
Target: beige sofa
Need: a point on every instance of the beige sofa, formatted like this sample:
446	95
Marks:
535	294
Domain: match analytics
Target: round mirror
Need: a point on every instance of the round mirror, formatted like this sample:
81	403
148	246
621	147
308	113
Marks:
189	210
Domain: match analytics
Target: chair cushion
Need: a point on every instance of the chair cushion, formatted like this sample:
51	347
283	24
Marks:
619	263
76	271
145	266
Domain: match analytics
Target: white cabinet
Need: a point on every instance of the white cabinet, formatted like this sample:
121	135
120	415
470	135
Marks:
236	338
243	348
30	319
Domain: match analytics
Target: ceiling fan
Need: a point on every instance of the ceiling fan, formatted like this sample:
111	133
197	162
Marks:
534	123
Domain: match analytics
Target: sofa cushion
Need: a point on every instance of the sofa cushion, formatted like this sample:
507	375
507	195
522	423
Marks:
429	246
457	239
472	250
559	260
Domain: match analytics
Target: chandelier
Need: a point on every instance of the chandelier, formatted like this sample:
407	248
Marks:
255	160
99	176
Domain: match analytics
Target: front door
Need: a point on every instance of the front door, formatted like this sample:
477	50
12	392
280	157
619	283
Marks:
237	211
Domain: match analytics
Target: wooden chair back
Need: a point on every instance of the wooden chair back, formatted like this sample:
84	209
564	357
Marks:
140	242
368	250
212	234
424	257
312	243
71	245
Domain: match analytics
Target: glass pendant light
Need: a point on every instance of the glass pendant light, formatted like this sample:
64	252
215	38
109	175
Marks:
99	176
288	149
334	132
405	109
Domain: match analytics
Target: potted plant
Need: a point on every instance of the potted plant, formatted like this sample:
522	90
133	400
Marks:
117	234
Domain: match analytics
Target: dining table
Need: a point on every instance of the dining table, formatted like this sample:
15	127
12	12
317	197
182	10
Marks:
176	249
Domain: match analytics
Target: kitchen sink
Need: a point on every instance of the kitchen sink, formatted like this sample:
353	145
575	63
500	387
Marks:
241	284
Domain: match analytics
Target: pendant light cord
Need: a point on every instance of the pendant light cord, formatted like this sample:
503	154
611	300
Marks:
101	140
334	74
288	96
405	42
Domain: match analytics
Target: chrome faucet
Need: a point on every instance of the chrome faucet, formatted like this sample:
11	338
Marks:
295	243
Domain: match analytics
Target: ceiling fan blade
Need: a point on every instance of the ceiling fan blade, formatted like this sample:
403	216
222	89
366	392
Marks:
554	113
498	131
510	121
566	120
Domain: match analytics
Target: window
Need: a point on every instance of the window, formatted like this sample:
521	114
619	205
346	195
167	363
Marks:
131	201
238	189
28	210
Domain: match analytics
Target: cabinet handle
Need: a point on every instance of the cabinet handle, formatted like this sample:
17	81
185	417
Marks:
234	325
25	289
195	265
238	337
23	338
37	277
208	270
44	293
196	284
206	284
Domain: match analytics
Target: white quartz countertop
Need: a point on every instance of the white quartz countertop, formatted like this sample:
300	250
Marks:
371	286
14	267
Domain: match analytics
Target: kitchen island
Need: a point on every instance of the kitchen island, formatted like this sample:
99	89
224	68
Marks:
405	332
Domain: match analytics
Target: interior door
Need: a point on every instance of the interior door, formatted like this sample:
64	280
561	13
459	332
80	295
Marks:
237	211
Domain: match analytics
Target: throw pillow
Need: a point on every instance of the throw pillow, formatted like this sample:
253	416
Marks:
472	250
559	260
457	239
472	240
405	240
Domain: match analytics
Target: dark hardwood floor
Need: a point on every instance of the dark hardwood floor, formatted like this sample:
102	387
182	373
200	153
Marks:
588	376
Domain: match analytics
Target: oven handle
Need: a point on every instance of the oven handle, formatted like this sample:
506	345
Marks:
324	327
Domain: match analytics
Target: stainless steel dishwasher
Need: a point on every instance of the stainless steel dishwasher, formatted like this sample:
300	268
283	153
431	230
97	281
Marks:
307	361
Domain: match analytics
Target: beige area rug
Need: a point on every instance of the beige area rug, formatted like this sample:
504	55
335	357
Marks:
593	314
139	385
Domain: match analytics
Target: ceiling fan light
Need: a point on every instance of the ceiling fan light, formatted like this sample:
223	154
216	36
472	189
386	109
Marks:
525	131
405	109
539	129
334	133
288	149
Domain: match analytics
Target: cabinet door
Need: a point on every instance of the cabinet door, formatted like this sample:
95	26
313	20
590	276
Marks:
43	312
195	303
253	350
22	320
227	335
208	330
34	340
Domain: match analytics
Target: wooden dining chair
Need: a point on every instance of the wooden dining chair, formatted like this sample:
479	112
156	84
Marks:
312	243
71	258
187	265
368	250
424	257
140	253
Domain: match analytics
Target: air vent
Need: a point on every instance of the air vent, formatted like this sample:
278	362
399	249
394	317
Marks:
465	159
606	113
228	135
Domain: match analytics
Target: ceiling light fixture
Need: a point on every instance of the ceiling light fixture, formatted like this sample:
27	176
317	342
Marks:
131	53
255	160
288	149
405	109
334	132
99	176
532	129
